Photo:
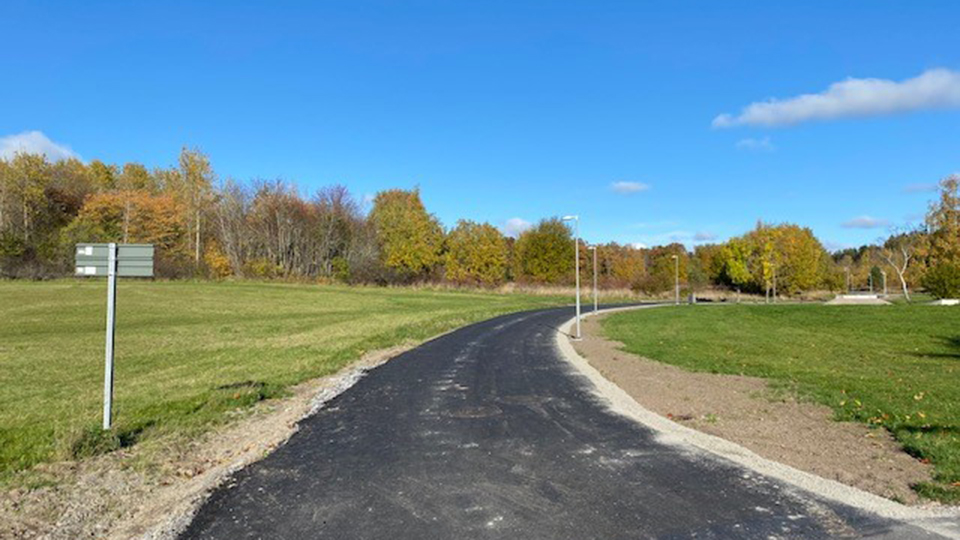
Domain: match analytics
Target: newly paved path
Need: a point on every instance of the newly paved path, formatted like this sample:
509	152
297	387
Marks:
486	433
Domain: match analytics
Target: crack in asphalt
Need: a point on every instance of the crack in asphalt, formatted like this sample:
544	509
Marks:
486	433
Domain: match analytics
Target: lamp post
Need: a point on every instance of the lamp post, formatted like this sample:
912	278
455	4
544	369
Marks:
884	274
847	269
676	278
595	291
576	263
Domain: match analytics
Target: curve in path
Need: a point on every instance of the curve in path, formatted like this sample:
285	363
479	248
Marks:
487	433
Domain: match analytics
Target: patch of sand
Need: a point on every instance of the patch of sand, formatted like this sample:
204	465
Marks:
771	424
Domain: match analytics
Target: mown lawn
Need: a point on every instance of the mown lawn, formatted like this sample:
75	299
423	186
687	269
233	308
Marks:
893	366
188	352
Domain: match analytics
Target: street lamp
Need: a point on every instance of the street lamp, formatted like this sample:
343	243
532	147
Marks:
595	293
676	278
576	263
884	274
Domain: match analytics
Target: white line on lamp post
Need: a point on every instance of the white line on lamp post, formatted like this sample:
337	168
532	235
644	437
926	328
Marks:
576	264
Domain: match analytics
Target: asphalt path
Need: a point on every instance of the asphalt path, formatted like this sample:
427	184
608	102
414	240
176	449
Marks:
487	432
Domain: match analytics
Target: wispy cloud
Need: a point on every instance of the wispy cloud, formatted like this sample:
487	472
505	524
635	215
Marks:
704	237
515	226
34	142
920	188
639	245
756	145
629	187
933	89
835	246
865	222
677	236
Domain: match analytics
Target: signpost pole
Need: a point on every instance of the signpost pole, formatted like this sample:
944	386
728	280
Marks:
111	325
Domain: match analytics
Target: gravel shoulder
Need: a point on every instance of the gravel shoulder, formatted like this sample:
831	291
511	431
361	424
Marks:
770	423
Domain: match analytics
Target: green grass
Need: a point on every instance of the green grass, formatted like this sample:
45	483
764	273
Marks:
891	366
189	352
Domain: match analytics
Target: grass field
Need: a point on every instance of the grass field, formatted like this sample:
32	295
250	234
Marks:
892	366
188	352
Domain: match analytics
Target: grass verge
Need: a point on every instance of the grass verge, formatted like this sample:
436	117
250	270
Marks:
189	354
891	366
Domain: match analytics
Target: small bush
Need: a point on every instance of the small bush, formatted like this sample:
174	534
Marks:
943	281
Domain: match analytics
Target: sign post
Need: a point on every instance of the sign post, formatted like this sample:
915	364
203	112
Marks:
113	260
111	327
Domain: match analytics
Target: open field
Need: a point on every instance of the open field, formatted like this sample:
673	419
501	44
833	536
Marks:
190	352
893	366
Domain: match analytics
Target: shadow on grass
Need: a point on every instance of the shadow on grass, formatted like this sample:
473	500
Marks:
94	440
928	429
948	341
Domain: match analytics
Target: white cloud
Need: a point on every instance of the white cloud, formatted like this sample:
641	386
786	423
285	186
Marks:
865	222
515	226
933	89
670	237
921	188
756	145
704	237
638	245
34	142
629	187
835	246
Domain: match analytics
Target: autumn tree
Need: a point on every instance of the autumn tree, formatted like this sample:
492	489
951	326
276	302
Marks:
30	214
104	176
136	177
192	187
476	254
544	253
899	252
943	223
410	239
663	272
734	262
622	266
128	217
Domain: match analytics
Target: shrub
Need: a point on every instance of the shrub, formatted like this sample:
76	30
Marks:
943	280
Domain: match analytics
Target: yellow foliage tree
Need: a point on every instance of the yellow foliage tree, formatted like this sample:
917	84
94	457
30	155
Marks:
476	253
410	239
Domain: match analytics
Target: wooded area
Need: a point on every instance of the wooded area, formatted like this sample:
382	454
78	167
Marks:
268	229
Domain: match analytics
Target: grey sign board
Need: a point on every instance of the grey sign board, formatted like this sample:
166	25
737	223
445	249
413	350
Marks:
133	260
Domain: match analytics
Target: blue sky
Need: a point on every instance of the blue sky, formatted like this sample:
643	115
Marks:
517	110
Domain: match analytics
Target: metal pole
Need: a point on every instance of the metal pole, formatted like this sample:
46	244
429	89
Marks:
884	274
676	279
576	252
595	290
111	325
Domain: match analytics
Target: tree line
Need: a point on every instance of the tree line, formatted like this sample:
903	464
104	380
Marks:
268	229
